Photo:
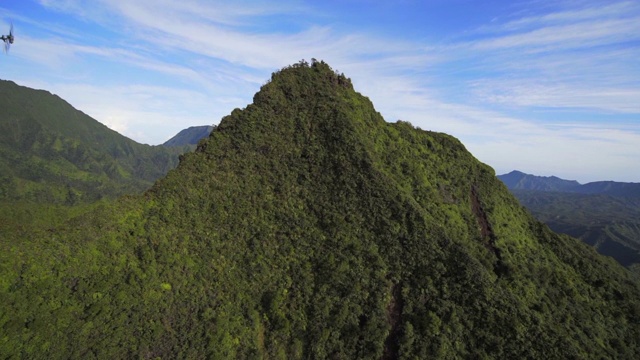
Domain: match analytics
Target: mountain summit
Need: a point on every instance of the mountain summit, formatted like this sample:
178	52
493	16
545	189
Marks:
306	226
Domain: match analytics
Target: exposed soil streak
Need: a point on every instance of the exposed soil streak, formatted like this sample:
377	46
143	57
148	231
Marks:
488	236
394	317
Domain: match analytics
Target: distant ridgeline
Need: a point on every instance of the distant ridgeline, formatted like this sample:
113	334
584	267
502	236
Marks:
190	136
517	180
307	227
604	214
52	153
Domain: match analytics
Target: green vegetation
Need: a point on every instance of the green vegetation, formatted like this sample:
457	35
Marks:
306	226
52	153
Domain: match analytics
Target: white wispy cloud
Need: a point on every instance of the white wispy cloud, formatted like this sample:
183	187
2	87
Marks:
177	28
566	36
597	11
571	59
549	94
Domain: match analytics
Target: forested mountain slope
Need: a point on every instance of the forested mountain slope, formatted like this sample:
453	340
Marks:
52	153
306	226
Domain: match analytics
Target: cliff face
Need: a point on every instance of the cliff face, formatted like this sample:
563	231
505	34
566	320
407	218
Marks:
306	226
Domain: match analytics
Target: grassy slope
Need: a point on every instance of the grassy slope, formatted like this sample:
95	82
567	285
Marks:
307	227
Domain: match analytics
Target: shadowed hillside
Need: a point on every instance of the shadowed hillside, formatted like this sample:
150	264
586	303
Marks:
603	214
609	224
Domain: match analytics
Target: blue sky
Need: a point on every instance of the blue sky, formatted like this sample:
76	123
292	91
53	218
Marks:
545	87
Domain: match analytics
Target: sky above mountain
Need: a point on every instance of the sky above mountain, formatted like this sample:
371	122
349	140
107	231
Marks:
546	87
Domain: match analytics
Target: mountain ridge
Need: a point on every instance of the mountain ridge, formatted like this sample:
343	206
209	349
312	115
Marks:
522	181
53	153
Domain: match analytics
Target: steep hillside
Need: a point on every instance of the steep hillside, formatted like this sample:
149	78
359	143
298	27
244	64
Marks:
304	227
189	136
52	153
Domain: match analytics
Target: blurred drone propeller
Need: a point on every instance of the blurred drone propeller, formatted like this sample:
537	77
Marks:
8	39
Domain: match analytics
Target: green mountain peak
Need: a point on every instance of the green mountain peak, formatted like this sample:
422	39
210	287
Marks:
306	226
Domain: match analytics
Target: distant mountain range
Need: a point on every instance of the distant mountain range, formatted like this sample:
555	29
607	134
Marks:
521	181
517	180
190	136
604	214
